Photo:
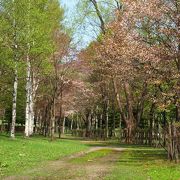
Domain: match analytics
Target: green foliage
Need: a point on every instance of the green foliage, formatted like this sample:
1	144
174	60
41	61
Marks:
26	24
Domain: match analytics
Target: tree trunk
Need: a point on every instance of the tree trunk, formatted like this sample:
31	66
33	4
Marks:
130	132
151	118
101	126
13	124
96	122
52	119
31	130
130	122
173	151
113	117
60	114
28	98
88	124
77	122
72	123
118	100
63	125
33	89
107	120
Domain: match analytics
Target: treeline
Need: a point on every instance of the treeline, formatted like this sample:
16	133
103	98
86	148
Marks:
134	76
125	84
33	44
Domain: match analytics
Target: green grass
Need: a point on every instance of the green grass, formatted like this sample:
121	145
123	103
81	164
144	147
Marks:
21	154
135	163
142	163
91	156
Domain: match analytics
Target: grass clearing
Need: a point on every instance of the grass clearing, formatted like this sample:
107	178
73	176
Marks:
144	164
21	154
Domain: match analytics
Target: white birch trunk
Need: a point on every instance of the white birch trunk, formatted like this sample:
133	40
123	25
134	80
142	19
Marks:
31	128
77	122
53	113
64	122
13	124
28	115
33	88
29	123
71	124
14	103
30	107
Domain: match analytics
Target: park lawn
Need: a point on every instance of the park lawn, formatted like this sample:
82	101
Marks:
22	154
144	163
135	162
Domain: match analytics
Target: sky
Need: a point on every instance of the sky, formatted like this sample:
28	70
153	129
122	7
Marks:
82	37
69	3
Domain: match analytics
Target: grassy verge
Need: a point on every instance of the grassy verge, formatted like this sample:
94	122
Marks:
144	164
21	154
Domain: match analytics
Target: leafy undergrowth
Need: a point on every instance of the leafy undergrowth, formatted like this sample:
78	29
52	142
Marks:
144	164
21	154
91	156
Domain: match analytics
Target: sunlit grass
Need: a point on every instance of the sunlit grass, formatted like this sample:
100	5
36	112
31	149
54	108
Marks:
144	164
91	156
21	154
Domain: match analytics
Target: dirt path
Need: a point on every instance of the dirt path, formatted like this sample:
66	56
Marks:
68	169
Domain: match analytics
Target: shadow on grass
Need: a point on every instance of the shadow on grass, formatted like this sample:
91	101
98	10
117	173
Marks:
140	157
113	143
137	154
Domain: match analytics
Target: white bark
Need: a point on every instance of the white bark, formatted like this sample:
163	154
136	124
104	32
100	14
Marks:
29	122
77	121
71	124
15	80
53	120
28	94
34	86
63	128
31	107
14	103
31	127
31	89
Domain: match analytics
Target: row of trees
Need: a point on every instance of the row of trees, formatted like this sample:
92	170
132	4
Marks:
134	75
32	49
126	82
